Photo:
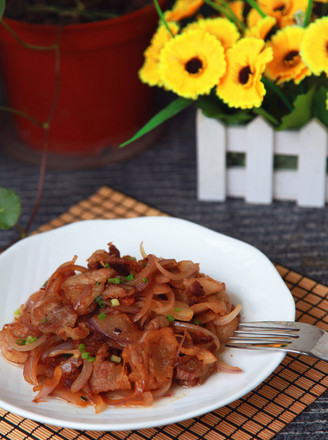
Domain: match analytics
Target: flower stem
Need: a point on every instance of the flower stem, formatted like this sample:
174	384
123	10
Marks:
225	9
254	5
308	13
161	16
279	92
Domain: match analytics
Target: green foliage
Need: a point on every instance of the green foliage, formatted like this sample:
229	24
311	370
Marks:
214	108
302	112
2	7
319	105
168	112
10	208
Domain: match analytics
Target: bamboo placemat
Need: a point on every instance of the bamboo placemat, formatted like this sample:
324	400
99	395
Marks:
262	413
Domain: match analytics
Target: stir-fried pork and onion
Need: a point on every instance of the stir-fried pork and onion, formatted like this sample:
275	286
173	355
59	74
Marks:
120	331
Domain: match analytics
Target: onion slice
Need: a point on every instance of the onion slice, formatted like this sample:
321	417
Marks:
223	320
83	377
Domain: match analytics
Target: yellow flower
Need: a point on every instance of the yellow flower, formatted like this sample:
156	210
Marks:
261	28
241	86
183	9
314	47
282	10
149	72
223	29
192	63
287	63
237	8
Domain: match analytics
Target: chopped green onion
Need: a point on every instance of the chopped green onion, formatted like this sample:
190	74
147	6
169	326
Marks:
129	277
196	322
31	339
21	341
116	280
145	280
101	304
85	355
43	320
170	318
91	359
177	309
83	398
98	298
102	316
115	359
82	348
106	265
97	283
17	312
115	302
132	258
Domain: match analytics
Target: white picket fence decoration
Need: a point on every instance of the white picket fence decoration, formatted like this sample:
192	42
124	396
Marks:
258	182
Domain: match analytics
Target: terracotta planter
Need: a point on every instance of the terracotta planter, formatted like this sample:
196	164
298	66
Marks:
101	101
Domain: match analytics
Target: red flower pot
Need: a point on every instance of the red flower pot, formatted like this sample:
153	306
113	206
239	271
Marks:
101	100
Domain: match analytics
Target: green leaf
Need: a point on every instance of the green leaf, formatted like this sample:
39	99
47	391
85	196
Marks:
2	7
214	108
319	105
10	208
168	112
301	114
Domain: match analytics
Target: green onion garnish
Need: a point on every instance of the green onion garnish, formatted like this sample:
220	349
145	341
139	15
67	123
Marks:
177	309
102	316
116	280
129	277
115	302
30	339
106	265
17	312
196	322
115	359
170	318
145	280
82	348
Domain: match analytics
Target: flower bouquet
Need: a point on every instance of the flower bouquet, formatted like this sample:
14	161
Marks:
239	59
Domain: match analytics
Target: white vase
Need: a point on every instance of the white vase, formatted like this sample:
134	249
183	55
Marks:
258	182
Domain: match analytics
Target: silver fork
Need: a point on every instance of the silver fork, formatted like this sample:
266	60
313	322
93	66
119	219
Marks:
296	337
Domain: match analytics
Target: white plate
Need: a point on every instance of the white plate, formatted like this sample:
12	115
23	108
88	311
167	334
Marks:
250	277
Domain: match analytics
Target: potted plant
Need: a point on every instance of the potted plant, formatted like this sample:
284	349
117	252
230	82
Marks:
70	76
238	60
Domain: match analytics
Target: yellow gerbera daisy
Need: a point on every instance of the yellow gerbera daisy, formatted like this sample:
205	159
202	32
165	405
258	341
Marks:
192	63
283	10
183	9
224	30
241	86
287	63
261	28
314	47
149	72
237	8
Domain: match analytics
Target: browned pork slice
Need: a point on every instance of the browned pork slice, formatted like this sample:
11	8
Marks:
108	375
152	359
191	371
51	316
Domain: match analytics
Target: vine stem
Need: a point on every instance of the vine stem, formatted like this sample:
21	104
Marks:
47	126
22	43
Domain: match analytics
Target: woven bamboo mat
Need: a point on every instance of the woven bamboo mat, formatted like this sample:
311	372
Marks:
294	385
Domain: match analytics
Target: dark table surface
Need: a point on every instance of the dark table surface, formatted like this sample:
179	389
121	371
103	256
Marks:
164	176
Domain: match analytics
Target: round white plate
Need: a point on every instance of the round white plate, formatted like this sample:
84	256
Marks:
250	277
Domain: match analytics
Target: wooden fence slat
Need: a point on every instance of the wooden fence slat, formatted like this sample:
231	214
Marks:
258	182
312	165
211	159
259	162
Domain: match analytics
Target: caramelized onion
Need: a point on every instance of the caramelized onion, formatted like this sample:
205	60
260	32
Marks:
174	276
223	366
49	385
83	377
27	347
223	320
196	329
